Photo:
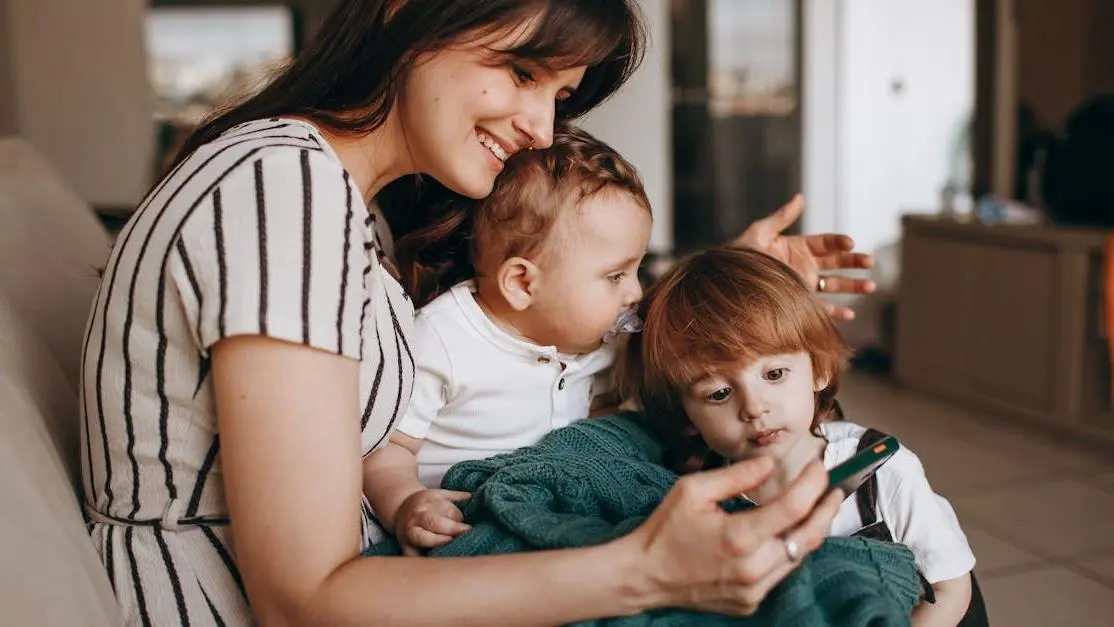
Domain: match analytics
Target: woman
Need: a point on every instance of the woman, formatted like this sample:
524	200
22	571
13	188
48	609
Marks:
249	345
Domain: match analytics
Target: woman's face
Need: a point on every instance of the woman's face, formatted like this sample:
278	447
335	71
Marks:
465	111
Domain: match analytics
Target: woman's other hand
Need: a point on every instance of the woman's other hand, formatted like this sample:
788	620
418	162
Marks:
700	557
810	255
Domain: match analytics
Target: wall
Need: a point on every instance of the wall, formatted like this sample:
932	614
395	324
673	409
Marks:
1051	55
81	94
1065	54
819	115
906	73
636	122
888	89
7	88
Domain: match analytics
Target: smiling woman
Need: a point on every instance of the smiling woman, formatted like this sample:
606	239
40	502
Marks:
250	343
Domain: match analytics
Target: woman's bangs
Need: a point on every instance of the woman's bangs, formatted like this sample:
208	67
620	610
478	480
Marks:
590	34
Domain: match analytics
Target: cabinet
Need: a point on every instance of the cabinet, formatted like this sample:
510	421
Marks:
1006	317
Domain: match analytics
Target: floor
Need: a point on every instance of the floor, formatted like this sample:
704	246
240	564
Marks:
1037	510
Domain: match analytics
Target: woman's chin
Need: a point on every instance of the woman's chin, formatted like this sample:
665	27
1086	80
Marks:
475	185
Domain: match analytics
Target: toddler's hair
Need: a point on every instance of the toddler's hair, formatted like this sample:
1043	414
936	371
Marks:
468	237
722	309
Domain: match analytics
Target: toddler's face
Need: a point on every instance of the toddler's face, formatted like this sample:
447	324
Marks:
764	408
591	275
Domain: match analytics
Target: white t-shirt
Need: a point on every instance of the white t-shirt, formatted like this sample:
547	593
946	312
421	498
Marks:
480	391
916	516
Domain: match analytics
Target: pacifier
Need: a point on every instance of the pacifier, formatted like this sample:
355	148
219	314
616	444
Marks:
627	322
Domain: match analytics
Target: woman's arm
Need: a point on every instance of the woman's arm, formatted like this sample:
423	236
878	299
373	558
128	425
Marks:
952	598
290	449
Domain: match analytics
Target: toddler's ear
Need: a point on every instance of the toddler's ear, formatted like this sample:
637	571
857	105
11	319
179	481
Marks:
518	282
821	382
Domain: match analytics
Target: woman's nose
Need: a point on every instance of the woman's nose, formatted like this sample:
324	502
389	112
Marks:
536	122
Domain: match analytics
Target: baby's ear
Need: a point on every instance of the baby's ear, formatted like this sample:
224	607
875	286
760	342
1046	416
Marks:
518	282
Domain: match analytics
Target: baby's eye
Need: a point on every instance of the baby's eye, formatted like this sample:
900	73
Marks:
617	277
776	374
720	395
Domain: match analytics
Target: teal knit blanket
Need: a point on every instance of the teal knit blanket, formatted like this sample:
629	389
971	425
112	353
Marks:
598	479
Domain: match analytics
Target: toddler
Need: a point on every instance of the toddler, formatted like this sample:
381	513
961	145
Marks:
737	360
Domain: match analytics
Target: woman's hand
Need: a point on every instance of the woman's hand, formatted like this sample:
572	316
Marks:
701	557
809	255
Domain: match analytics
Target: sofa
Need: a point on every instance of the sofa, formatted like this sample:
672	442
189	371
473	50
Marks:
51	246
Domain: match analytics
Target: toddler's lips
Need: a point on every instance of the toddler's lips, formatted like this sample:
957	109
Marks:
766	438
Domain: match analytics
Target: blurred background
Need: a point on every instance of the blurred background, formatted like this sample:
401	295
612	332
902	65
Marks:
968	144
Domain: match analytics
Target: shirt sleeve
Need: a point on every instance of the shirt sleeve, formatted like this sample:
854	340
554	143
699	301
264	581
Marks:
277	248
433	380
922	520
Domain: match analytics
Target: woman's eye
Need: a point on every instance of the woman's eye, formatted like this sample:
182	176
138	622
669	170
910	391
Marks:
720	395
777	374
523	75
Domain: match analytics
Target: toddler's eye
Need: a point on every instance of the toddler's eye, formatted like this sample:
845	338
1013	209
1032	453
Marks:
777	374
720	395
617	277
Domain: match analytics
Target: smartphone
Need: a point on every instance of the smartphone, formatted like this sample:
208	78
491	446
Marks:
852	473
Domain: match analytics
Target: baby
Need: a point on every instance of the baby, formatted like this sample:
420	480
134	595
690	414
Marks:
737	360
522	347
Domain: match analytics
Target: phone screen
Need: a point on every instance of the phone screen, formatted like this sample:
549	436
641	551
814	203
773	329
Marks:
851	474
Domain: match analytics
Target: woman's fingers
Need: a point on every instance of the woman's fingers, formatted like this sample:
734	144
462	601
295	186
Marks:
771	562
824	244
847	285
808	537
844	259
713	486
788	510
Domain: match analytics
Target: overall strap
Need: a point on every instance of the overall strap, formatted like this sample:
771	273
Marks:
866	497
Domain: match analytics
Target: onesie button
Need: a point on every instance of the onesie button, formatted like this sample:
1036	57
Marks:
561	384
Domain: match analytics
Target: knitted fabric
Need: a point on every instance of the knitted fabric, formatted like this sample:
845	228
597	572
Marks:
598	479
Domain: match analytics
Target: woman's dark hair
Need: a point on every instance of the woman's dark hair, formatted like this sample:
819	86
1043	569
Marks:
349	76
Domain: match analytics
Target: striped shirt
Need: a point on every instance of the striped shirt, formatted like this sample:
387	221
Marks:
261	232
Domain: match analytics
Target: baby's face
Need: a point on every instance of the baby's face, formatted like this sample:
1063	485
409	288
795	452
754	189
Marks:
591	275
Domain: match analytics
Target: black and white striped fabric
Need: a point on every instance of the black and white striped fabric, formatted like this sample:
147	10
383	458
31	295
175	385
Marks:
258	232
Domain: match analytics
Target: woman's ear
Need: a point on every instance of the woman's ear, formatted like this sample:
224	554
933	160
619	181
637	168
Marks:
518	282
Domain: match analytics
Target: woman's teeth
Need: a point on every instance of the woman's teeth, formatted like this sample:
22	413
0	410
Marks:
493	146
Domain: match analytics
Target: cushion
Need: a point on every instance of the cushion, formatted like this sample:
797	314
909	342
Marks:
51	246
50	573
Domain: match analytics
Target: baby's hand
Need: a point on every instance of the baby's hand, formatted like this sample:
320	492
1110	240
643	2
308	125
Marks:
428	519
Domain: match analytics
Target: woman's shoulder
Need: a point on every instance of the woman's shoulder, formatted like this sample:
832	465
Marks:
284	145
